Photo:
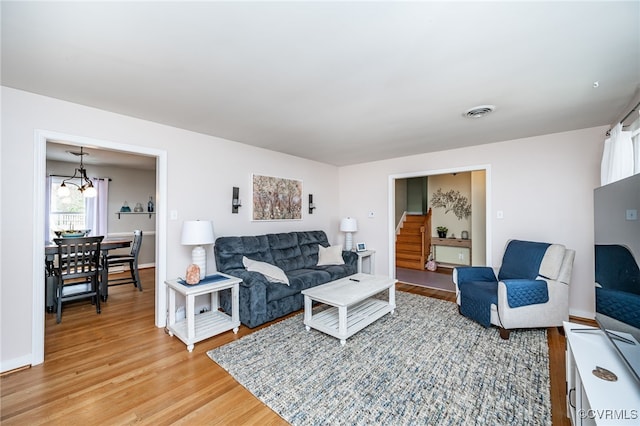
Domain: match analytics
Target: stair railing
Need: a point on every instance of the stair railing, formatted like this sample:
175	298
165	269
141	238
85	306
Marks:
425	239
399	225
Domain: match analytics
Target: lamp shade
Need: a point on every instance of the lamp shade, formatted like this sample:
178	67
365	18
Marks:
197	232
348	224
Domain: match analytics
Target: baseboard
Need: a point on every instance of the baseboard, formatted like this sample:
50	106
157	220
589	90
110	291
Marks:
582	314
15	364
125	268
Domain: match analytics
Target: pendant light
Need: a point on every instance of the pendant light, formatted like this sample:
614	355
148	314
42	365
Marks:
85	187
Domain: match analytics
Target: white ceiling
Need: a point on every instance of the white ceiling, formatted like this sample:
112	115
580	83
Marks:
337	82
59	151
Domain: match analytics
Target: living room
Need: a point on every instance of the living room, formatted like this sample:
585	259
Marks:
542	183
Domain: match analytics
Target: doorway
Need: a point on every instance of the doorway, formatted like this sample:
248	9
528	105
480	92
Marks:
40	151
413	193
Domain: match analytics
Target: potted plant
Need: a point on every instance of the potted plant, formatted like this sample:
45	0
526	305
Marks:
442	231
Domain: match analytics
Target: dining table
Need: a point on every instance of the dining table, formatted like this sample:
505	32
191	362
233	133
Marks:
50	252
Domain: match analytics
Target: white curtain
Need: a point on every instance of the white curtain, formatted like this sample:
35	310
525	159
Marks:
618	156
96	208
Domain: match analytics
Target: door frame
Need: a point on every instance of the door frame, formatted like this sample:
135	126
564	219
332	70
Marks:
40	159
392	205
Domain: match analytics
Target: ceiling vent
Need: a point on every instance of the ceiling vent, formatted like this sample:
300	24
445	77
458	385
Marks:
479	111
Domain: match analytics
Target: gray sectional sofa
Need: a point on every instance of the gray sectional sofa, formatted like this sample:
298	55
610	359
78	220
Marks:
296	253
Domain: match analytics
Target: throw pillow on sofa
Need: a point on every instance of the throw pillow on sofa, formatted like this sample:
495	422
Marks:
271	272
331	255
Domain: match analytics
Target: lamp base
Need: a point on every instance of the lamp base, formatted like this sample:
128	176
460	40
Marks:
199	257
348	242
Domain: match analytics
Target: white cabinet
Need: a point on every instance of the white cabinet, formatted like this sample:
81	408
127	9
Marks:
590	399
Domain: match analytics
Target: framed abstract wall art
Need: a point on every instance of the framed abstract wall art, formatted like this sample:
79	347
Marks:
276	198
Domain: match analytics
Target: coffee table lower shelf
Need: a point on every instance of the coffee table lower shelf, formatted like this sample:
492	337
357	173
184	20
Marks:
357	317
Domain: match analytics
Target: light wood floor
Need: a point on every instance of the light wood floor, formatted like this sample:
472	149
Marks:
118	368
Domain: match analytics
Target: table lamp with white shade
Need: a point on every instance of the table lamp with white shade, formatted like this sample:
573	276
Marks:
198	233
348	225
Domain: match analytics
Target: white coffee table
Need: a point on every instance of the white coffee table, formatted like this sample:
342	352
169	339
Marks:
352	306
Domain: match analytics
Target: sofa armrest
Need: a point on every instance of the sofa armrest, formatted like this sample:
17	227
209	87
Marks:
249	278
253	297
473	273
350	257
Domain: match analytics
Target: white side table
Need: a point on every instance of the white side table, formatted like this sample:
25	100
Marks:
371	254
195	328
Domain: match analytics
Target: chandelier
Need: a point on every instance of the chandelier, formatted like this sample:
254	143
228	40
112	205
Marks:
85	186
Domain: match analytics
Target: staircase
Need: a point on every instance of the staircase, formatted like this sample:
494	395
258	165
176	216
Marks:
413	243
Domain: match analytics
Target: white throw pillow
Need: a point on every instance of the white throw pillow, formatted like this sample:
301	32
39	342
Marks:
271	272
331	255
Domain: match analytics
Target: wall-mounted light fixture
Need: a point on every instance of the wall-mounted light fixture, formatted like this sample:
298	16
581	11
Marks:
235	201
311	205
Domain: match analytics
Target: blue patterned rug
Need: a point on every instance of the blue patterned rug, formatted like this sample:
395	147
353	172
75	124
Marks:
426	364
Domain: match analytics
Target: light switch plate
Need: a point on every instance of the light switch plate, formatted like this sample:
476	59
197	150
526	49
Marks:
632	214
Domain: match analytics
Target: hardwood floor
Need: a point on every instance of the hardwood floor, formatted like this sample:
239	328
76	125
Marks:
118	368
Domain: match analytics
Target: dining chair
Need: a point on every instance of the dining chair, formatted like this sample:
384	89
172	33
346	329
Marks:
130	259
77	271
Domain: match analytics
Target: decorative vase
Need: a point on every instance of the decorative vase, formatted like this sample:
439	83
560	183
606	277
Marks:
442	234
150	205
138	208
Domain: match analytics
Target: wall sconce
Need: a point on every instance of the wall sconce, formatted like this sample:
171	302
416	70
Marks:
235	201
311	205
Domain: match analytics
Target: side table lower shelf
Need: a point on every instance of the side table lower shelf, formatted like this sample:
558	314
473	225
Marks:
206	325
195	328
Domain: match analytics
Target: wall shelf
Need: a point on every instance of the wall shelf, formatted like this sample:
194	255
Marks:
149	213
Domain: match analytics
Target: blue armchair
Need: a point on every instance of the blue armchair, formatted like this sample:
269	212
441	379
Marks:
531	289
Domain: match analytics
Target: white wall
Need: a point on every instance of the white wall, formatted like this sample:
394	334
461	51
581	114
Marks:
201	172
544	185
439	217
478	232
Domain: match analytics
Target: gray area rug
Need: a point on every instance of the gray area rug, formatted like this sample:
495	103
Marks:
425	364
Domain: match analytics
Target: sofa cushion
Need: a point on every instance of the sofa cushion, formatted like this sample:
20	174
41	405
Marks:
286	251
338	271
522	260
331	255
309	241
271	272
552	261
300	279
230	251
